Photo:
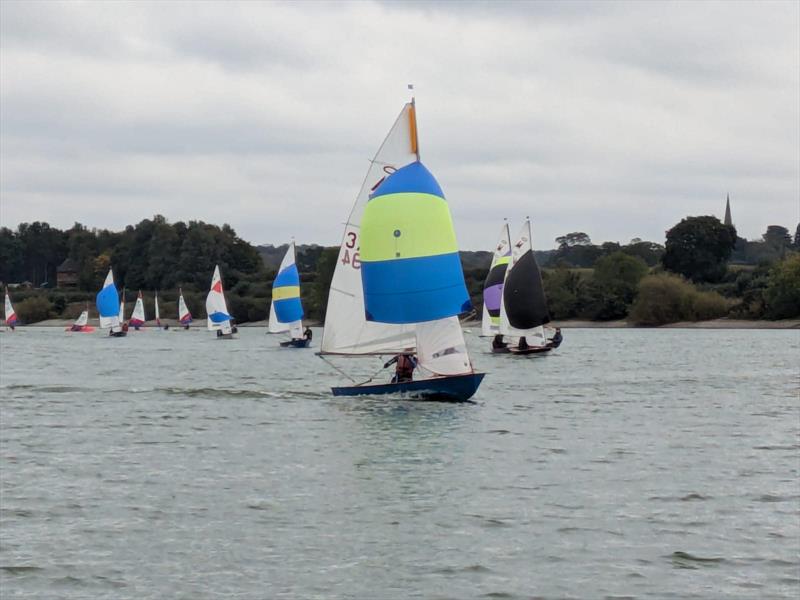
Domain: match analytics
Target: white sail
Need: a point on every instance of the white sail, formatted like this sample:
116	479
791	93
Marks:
10	315
83	319
121	309
535	336
216	308
275	325
138	316
441	349
184	316
158	315
346	329
499	257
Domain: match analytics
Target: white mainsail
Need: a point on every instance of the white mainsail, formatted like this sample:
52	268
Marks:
216	308
121	309
535	336
10	314
82	320
501	250
138	316
158	315
346	329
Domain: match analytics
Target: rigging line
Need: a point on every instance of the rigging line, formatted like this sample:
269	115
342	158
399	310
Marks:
333	366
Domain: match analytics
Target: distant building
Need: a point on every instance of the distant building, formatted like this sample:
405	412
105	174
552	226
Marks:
728	220
67	274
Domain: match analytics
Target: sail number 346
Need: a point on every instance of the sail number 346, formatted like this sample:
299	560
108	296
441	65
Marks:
353	259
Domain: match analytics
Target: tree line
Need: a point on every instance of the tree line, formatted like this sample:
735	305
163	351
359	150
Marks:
696	271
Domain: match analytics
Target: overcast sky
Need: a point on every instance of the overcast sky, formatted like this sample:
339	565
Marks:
617	119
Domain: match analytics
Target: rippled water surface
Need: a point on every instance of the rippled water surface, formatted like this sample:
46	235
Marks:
629	464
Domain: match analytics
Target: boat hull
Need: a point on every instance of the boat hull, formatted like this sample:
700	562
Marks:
531	350
296	344
451	388
84	329
118	334
503	350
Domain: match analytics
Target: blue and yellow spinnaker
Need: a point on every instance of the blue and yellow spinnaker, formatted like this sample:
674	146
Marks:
411	271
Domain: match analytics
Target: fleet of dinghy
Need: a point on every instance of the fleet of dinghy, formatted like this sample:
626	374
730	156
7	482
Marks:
286	310
397	289
398	285
219	319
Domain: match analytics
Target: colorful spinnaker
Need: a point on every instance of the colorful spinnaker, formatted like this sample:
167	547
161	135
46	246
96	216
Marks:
398	285
524	308
216	308
493	285
184	316
138	317
108	305
286	310
10	314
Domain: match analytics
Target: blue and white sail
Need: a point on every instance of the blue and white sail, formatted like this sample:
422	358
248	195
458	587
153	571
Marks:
108	306
286	310
216	307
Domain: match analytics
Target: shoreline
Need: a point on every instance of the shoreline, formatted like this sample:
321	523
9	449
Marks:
570	324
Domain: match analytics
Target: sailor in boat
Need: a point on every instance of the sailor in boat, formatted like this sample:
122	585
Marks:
498	343
307	334
523	343
555	341
404	371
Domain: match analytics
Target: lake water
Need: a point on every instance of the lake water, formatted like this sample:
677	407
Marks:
627	464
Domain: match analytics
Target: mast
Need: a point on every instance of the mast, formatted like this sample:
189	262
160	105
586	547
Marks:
412	122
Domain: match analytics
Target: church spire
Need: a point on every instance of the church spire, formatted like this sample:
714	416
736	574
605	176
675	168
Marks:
728	220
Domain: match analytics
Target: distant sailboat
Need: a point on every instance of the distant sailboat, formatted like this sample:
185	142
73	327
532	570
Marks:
524	308
138	317
10	314
217	309
108	306
493	287
398	283
158	315
286	310
121	307
184	316
81	324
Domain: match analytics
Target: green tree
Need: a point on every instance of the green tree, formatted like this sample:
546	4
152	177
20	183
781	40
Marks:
782	295
667	298
576	238
777	238
326	265
797	238
698	248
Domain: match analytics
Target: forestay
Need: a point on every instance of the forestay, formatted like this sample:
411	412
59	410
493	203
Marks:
347	330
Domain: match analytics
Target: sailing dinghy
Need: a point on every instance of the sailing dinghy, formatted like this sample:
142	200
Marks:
286	310
398	285
217	309
493	290
81	324
10	313
109	309
137	317
184	316
523	311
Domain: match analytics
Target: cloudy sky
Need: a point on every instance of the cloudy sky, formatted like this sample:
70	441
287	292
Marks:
617	119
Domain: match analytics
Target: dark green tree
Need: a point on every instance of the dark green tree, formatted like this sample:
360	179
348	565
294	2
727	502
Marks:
698	248
777	238
782	296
